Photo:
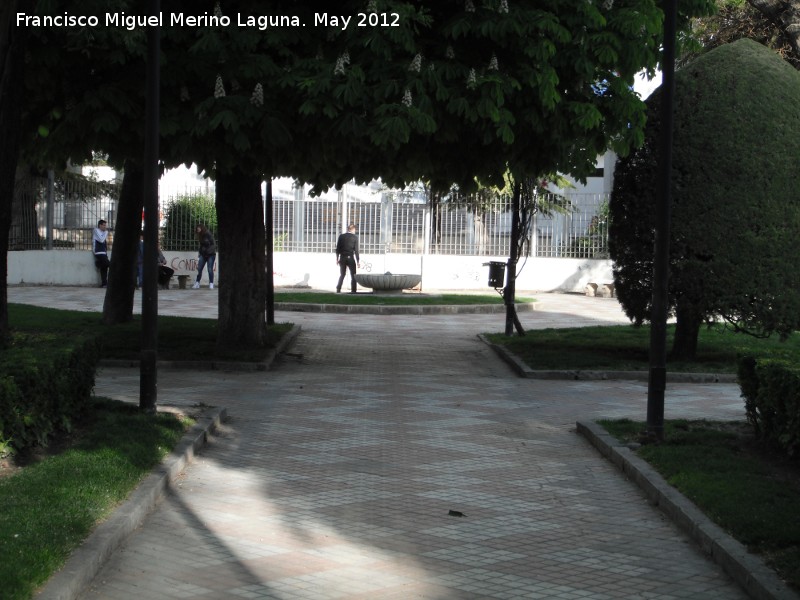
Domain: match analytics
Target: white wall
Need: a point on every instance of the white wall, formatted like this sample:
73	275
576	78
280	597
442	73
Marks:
319	271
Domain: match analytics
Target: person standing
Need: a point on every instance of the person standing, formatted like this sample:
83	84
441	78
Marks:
347	257
206	255
100	250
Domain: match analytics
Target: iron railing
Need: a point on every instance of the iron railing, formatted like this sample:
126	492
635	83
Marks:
63	215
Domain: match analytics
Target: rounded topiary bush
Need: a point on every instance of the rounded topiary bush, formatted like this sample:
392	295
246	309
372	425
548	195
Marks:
182	216
735	198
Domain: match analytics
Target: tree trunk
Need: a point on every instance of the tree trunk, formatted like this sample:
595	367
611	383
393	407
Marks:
687	330
23	233
510	291
242	293
269	244
12	77
786	15
118	303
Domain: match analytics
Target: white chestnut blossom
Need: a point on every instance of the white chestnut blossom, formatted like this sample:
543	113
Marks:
257	99
472	80
219	89
341	63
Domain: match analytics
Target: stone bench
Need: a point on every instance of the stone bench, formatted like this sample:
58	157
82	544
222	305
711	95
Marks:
599	290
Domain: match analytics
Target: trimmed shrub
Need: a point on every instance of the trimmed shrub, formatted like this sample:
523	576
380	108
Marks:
183	214
46	383
771	392
735	198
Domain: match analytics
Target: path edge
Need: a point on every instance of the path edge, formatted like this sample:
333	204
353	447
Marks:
87	559
746	569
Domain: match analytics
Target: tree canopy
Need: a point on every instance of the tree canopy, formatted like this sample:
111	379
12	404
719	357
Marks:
443	91
448	92
774	24
736	205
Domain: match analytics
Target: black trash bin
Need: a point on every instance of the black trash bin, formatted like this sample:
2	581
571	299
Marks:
497	274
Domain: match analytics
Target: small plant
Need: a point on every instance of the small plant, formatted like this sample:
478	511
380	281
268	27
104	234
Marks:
5	447
279	242
183	214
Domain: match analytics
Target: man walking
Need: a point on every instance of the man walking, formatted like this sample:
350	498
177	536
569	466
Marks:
347	257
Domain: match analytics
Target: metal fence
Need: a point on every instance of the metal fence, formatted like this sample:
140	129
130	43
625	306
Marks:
63	216
60	214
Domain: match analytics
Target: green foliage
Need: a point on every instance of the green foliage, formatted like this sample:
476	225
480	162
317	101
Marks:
749	493
175	334
594	244
50	507
625	348
733	20
447	95
83	86
453	93
771	390
45	383
279	242
183	215
736	206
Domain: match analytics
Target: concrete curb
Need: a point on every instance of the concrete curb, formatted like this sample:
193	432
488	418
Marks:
523	370
215	365
85	562
748	570
388	309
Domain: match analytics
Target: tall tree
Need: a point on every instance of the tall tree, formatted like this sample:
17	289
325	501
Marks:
228	107
446	91
85	95
477	89
736	209
773	24
785	14
12	63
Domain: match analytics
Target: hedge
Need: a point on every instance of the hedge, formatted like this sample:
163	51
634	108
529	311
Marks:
46	382
771	392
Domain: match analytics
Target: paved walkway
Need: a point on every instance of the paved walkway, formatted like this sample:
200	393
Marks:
341	471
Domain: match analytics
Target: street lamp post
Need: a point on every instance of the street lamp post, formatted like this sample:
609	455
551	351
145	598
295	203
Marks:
148	388
657	380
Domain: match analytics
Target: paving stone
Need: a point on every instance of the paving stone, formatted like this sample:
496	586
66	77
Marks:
335	475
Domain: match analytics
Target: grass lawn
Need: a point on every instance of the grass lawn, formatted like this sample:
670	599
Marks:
179	338
749	490
405	298
51	501
625	348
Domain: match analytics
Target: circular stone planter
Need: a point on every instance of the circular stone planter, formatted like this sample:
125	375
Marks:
387	282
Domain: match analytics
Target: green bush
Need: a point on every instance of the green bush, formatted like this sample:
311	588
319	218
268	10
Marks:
735	203
183	214
46	382
771	392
